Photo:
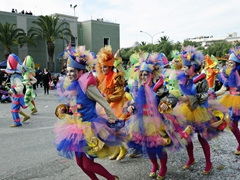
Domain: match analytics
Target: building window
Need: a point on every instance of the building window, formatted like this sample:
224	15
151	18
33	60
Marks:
73	43
106	41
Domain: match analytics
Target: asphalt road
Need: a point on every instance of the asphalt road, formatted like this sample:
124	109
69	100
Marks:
28	152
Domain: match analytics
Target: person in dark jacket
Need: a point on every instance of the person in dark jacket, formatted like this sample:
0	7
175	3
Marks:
39	77
46	78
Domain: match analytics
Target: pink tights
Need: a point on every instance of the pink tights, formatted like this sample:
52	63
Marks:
206	151
92	168
163	162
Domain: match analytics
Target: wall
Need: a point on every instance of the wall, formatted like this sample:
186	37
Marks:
90	33
95	31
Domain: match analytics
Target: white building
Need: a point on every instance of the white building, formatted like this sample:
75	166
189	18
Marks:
208	40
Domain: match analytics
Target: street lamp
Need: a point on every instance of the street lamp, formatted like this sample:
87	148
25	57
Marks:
152	35
74	22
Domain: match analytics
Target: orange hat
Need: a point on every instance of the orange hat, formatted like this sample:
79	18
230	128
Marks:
105	56
211	62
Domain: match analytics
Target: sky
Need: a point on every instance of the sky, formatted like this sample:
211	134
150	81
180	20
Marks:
179	19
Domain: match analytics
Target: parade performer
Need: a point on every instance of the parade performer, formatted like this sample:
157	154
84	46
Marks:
130	78
152	128
111	84
176	68
211	70
15	71
28	80
231	100
81	131
194	104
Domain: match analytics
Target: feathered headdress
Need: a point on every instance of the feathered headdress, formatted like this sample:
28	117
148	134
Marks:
191	57
151	62
134	58
105	56
234	54
78	58
176	56
118	62
133	61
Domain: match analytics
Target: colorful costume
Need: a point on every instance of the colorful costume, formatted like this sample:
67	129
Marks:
81	131
28	81
231	100
111	85
194	88
176	68
152	130
14	69
211	70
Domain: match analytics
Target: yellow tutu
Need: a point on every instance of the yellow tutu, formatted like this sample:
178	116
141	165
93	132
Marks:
150	127
199	115
75	135
230	101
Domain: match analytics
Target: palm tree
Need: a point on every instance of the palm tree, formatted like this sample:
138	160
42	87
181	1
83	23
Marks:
50	29
11	36
163	38
143	43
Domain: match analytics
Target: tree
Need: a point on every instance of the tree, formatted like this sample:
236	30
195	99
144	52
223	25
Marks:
237	43
125	53
163	38
177	46
50	29
11	36
218	49
143	43
191	43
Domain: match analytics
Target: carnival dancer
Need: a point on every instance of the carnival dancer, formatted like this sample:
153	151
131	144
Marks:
111	84
231	100
28	81
176	69
152	129
14	70
130	78
194	104
81	131
211	70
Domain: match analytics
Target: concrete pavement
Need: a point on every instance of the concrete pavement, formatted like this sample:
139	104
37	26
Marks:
28	152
